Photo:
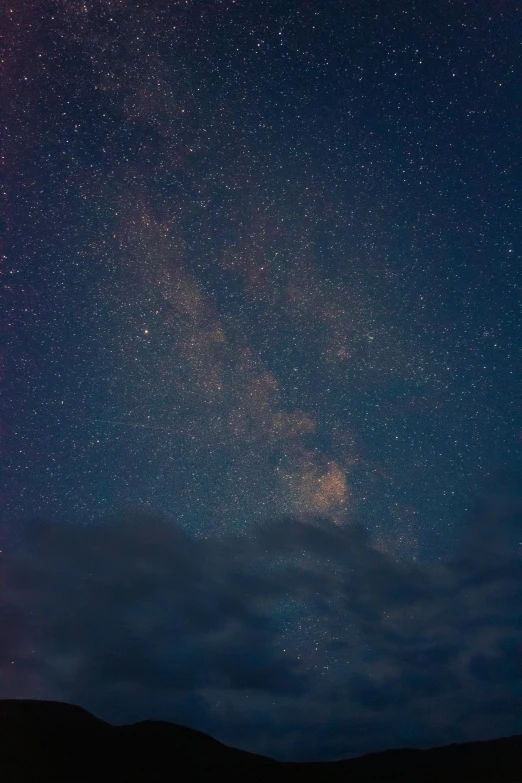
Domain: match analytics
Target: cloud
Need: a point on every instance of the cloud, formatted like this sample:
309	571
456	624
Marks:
261	639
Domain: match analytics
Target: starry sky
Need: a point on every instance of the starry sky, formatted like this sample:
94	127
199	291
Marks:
261	363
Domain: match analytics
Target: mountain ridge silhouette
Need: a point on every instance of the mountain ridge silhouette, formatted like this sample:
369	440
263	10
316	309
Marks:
55	741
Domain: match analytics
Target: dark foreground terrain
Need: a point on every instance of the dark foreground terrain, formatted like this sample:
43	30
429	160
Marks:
62	743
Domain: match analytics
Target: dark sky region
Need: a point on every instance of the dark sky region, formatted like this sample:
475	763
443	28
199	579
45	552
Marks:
261	368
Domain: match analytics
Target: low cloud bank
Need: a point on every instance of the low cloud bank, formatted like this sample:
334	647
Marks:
301	641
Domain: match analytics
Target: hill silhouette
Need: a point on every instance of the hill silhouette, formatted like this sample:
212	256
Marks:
64	743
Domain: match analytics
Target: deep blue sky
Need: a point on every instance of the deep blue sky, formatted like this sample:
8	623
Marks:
261	410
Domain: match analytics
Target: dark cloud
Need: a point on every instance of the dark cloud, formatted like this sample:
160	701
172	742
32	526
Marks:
133	618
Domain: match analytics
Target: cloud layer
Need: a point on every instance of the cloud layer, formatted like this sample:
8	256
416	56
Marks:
263	639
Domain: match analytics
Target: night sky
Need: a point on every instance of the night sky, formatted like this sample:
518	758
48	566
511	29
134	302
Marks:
261	409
